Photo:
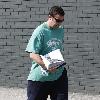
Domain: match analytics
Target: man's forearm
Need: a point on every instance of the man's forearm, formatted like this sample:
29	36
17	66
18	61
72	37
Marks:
37	59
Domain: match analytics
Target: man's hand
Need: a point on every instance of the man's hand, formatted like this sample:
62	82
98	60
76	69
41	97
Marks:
52	69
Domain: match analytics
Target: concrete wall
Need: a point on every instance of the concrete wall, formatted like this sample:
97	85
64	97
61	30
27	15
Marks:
18	19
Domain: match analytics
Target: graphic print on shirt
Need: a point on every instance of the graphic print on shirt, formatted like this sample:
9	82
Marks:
54	43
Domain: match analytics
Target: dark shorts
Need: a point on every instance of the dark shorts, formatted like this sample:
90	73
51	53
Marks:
58	89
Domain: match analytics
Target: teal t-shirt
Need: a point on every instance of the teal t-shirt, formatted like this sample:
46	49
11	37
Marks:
43	41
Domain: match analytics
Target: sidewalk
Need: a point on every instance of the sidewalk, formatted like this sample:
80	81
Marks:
20	94
13	94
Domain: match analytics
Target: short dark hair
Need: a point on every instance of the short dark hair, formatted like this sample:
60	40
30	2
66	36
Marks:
56	10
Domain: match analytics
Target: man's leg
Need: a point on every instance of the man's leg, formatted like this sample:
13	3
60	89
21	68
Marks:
36	91
60	88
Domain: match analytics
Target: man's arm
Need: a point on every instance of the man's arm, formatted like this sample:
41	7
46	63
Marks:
38	59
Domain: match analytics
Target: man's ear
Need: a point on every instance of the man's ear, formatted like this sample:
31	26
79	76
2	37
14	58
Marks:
49	16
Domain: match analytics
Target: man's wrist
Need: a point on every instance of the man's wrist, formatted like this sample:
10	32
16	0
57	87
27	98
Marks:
44	67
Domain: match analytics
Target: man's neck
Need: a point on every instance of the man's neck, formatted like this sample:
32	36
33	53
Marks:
50	26
48	23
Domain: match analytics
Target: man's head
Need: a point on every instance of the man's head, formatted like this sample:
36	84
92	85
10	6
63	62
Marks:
56	16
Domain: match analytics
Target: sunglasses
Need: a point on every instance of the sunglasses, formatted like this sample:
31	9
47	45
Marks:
58	20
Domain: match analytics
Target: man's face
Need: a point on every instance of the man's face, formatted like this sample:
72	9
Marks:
56	21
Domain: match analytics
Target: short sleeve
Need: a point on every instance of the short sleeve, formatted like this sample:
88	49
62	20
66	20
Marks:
35	43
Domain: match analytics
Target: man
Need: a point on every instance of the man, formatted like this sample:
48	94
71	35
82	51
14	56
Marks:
47	37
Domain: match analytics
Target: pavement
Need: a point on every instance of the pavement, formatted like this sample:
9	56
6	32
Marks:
20	94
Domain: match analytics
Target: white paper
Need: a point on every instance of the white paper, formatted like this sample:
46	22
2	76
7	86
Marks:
53	59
